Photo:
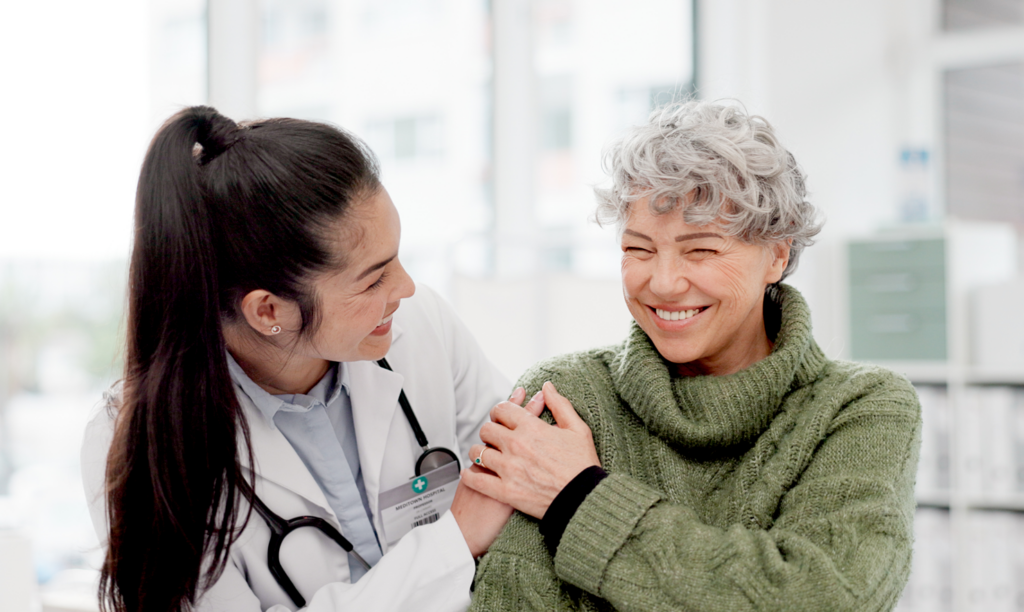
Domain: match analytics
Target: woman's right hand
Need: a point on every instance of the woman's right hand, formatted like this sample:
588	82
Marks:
481	518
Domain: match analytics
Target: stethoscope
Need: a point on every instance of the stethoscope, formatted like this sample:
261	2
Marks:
430	459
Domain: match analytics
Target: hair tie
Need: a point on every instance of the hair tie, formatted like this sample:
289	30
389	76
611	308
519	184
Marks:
215	135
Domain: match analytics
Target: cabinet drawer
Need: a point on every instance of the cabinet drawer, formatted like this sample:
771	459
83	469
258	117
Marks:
887	334
898	255
896	290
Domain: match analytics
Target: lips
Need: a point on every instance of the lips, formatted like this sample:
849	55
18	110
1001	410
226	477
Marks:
675	317
384	327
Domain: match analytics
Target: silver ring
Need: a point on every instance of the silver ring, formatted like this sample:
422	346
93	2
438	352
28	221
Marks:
480	458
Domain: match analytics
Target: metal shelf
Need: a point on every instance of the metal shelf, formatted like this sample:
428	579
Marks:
993	376
920	372
1013	502
942	373
932	499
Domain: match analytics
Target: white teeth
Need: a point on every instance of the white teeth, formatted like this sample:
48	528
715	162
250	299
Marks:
386	319
675	315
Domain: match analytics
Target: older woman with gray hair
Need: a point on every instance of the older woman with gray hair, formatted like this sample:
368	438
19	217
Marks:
716	460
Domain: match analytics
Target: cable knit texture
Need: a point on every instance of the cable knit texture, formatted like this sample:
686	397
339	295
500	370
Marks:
786	486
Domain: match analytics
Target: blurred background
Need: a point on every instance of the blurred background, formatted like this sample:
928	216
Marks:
489	118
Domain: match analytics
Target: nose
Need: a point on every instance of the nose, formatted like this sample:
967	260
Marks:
404	285
668	280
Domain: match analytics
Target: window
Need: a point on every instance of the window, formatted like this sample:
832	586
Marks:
985	142
406	138
981	14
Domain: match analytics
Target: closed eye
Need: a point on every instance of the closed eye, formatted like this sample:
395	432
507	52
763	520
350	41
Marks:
380	281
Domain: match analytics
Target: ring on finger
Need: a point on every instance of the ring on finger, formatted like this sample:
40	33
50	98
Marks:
480	458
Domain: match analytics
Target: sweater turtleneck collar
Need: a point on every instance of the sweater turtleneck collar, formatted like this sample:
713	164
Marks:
717	412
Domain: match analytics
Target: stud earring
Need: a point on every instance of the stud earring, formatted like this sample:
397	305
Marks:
275	329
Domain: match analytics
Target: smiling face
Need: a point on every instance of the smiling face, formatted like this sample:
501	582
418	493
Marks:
357	303
697	292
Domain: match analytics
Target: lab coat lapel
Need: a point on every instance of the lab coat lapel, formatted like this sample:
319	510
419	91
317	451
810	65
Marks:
276	460
374	393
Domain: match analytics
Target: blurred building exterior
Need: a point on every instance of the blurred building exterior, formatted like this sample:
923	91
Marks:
489	119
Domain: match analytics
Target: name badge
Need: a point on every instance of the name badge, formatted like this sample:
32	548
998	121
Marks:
420	501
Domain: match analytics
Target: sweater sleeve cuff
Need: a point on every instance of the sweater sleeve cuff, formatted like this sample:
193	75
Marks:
564	506
601	525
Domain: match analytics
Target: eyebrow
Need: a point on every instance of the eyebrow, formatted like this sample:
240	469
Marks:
680	238
697	235
638	235
376	266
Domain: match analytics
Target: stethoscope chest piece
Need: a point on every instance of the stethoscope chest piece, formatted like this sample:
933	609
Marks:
433	458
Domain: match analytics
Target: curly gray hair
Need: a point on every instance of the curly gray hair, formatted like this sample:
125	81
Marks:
740	176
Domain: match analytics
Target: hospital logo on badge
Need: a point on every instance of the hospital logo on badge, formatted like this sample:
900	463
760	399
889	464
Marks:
420	484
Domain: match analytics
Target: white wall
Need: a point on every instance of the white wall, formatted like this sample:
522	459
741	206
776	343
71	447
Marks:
518	322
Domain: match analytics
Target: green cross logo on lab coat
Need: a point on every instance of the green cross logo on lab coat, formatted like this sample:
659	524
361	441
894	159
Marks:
420	484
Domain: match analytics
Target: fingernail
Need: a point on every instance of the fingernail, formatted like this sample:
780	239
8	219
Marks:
537	396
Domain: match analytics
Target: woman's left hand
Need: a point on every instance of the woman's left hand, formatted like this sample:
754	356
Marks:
527	461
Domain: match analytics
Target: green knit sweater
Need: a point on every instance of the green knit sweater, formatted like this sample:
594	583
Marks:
786	486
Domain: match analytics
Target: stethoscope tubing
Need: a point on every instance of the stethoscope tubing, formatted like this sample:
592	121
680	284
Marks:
279	527
421	438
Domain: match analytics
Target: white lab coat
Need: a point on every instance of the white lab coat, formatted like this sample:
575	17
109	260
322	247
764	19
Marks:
451	387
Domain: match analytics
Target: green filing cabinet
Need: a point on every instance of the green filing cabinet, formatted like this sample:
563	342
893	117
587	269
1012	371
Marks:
898	299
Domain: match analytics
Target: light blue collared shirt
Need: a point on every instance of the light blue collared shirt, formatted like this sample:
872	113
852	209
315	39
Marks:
319	427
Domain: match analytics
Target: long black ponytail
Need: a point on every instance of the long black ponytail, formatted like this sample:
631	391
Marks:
221	210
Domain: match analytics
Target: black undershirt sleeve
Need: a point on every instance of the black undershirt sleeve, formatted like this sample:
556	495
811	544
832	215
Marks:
565	504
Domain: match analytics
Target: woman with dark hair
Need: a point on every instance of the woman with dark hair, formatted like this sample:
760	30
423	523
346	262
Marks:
264	296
